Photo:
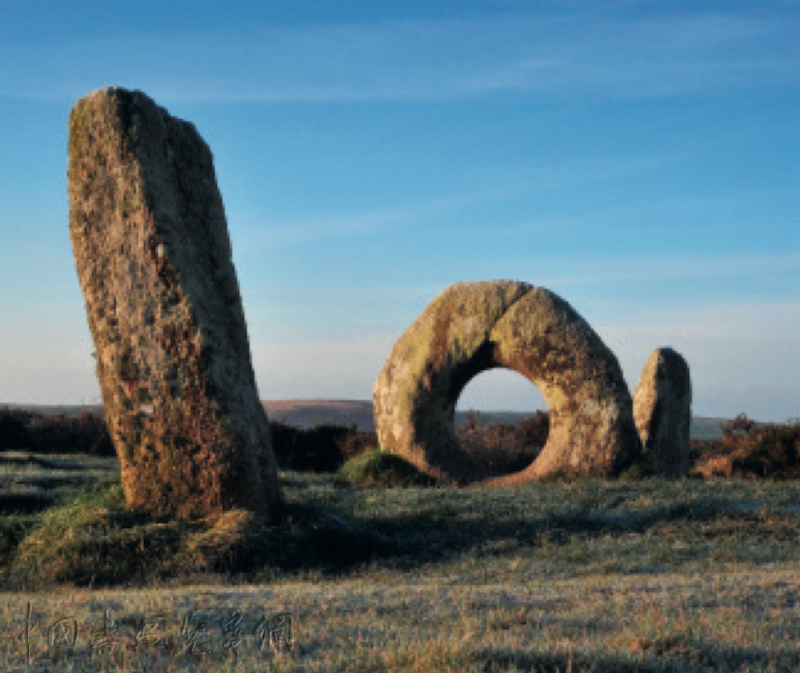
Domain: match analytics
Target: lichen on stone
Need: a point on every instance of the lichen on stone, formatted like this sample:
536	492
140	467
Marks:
154	261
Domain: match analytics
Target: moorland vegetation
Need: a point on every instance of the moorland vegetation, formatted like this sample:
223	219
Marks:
386	571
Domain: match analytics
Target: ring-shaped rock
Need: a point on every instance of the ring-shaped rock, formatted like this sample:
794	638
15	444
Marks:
473	327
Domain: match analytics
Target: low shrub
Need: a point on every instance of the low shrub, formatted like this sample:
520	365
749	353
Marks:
322	448
14	430
28	431
751	450
771	451
504	448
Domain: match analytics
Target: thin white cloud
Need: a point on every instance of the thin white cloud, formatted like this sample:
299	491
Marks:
673	268
277	233
421	60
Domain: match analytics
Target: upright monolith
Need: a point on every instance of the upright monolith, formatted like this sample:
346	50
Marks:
154	262
662	409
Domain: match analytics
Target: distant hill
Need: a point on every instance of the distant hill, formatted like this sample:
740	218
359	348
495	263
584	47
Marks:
307	413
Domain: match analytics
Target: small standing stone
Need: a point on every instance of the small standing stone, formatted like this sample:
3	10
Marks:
153	256
662	409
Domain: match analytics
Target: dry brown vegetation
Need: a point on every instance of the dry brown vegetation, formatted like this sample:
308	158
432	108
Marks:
504	448
750	450
746	448
28	431
325	447
321	448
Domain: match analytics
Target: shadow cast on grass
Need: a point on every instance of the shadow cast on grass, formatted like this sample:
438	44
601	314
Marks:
497	661
30	460
24	503
425	536
93	540
665	655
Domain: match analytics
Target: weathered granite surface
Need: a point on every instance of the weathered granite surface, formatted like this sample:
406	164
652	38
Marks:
472	327
153	256
662	409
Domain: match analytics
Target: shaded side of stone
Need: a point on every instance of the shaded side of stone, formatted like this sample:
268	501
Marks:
662	407
153	257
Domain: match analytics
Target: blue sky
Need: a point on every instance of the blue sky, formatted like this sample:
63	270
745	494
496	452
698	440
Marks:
641	159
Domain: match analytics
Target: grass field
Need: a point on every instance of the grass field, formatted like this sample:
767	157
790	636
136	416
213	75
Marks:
651	575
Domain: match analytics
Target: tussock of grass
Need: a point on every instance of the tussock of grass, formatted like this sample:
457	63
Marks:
381	468
638	469
92	539
89	539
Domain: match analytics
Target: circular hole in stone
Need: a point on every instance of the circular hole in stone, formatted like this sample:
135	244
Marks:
501	421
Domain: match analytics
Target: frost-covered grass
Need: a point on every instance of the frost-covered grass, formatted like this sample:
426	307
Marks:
690	575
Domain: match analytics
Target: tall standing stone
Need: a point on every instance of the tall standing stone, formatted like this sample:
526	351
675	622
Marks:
662	410
153	255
